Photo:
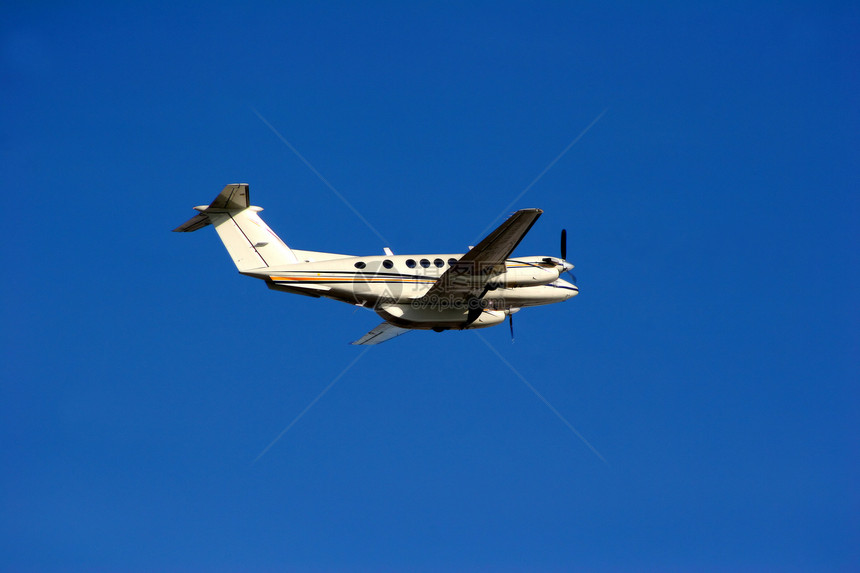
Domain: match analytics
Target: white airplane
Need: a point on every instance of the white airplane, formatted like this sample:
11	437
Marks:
425	292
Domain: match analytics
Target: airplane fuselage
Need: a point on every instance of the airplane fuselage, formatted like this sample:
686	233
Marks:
395	286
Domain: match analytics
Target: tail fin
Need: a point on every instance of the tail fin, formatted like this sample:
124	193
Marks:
250	242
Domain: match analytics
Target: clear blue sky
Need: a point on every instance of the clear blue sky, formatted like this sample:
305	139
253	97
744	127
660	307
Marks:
711	357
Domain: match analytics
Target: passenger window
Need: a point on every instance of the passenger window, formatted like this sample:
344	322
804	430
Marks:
452	262
439	263
387	264
425	263
360	265
410	263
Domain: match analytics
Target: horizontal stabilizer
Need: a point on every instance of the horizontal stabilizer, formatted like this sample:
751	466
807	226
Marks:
196	222
380	334
233	197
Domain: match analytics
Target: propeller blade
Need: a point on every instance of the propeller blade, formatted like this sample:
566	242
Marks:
564	244
511	321
573	276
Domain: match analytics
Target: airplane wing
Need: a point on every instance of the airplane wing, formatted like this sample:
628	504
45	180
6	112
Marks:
468	277
381	333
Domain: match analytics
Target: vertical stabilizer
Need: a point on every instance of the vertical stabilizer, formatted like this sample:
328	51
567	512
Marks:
250	242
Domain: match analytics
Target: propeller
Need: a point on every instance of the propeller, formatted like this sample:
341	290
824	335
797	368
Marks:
564	244
564	255
550	262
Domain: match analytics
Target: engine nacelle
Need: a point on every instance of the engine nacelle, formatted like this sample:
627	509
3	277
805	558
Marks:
489	318
521	274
